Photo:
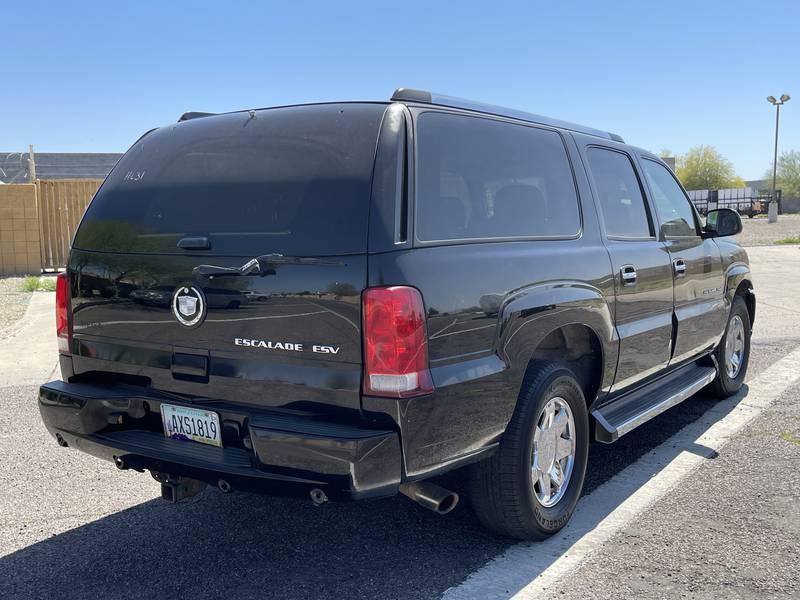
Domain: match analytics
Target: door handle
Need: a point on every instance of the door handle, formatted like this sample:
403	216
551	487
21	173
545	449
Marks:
628	273
680	267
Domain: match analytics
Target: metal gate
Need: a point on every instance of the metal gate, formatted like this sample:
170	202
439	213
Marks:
61	203
746	201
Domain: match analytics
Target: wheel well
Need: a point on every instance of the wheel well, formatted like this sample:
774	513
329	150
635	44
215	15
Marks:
745	290
577	347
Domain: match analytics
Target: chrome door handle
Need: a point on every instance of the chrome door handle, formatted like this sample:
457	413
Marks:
628	273
680	267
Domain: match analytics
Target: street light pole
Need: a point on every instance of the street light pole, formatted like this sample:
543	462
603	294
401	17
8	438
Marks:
772	213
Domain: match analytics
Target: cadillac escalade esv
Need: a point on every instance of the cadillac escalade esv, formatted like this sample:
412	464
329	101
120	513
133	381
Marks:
344	300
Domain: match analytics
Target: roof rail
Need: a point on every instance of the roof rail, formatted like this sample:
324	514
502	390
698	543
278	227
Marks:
187	116
424	97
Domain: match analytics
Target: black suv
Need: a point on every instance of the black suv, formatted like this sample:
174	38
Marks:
345	300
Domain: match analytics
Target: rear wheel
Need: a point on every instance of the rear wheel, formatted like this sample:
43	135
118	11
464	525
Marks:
528	489
733	352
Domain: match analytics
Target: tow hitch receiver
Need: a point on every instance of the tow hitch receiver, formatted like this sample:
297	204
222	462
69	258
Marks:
175	488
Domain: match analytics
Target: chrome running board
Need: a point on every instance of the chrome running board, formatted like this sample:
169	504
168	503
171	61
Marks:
627	412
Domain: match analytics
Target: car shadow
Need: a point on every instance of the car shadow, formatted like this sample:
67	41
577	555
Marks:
247	546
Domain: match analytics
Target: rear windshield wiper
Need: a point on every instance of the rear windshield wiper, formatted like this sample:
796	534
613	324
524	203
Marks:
261	265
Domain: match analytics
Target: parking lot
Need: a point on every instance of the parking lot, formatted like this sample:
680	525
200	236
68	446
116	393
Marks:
702	502
760	232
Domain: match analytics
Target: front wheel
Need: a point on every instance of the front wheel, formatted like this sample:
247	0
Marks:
529	488
733	352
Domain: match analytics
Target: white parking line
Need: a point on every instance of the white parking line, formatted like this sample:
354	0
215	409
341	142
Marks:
527	570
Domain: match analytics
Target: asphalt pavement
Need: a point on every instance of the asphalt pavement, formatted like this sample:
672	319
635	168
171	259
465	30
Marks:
72	526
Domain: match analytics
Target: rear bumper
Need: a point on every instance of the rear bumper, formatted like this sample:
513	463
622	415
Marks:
264	451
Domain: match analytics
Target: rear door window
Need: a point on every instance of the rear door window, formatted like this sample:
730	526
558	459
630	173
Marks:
622	203
294	181
480	179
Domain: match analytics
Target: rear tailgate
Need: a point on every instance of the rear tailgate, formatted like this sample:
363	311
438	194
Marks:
289	339
292	184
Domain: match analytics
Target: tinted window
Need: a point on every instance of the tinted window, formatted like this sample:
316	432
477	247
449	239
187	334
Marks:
621	199
294	181
478	178
674	210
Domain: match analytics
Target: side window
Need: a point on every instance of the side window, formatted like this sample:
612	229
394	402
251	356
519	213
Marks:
672	205
621	200
480	179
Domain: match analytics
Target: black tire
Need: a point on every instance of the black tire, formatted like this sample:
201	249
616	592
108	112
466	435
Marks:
724	385
501	487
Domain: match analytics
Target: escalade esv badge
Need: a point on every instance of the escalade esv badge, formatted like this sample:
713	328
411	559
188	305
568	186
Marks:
189	306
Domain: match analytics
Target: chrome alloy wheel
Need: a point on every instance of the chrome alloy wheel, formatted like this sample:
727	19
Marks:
734	347
553	452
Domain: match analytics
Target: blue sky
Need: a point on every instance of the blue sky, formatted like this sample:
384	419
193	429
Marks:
88	77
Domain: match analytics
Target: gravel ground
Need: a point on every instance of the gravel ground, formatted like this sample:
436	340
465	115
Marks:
759	232
13	302
730	530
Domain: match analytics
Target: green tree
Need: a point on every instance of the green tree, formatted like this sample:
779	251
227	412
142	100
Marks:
342	289
703	168
788	174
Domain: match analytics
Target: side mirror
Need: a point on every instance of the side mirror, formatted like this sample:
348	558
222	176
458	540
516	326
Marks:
722	222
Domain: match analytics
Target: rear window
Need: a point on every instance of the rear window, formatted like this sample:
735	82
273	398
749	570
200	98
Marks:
294	181
479	178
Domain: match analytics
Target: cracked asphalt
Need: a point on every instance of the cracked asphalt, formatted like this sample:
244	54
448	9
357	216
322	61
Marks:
72	526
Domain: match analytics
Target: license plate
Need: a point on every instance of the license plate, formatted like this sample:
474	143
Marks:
198	425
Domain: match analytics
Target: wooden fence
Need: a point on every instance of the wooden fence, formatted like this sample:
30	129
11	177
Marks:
60	204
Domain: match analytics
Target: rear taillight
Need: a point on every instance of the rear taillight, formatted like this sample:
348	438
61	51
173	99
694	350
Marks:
63	324
395	343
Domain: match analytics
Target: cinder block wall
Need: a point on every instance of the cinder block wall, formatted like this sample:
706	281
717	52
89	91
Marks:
19	230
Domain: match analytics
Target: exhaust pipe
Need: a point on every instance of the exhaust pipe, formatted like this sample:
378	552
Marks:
431	496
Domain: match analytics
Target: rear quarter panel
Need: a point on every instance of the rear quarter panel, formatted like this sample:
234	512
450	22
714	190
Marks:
488	307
